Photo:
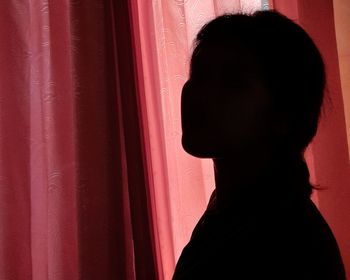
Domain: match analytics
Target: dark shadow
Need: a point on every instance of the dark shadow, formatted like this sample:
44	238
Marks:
252	103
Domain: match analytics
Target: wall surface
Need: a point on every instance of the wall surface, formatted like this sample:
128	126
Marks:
342	30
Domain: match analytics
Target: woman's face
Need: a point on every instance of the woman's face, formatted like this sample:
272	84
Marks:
224	106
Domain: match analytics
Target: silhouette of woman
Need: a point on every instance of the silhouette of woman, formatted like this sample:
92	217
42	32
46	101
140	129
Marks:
252	103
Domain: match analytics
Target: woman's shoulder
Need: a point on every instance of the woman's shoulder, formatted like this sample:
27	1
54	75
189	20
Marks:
290	237
290	242
297	236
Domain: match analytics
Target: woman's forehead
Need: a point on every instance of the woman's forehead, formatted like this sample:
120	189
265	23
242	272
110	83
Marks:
231	55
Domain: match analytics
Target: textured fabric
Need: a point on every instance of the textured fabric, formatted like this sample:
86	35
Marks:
74	196
72	179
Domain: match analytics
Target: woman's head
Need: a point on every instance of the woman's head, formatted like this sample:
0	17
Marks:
256	84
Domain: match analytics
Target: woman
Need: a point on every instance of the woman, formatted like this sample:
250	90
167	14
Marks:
252	103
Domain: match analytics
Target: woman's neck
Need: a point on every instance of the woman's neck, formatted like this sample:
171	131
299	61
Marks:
238	182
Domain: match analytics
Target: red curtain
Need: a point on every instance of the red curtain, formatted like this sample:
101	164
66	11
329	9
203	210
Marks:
73	182
94	183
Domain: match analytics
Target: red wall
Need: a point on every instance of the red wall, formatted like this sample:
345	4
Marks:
342	29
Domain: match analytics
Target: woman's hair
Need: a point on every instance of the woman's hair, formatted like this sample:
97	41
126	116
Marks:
292	67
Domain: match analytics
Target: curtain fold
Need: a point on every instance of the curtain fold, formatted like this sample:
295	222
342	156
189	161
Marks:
136	165
73	188
94	183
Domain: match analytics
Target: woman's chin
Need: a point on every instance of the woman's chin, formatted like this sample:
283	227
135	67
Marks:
196	148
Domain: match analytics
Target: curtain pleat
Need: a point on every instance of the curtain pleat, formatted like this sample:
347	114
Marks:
94	183
138	184
74	200
15	145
